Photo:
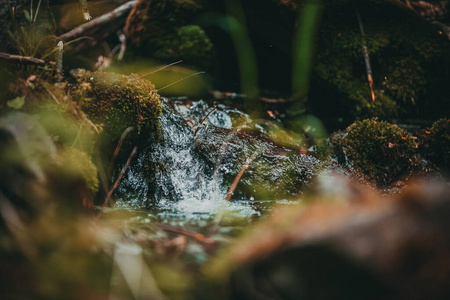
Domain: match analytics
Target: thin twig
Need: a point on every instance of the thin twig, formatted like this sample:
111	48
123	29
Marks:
184	78
160	69
27	59
204	118
238	177
119	145
119	178
366	54
112	15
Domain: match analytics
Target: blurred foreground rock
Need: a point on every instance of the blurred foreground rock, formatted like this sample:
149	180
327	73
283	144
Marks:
367	247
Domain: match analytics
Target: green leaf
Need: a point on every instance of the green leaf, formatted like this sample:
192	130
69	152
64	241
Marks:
27	15
16	103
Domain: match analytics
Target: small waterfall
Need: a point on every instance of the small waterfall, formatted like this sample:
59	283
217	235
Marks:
183	182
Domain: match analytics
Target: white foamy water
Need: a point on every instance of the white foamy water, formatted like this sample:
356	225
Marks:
185	176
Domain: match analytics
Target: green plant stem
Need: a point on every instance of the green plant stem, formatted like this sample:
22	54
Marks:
304	54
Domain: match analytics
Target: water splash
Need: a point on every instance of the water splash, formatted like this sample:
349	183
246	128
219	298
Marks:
185	186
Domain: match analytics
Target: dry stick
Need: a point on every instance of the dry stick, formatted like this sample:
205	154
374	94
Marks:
198	180
27	59
160	69
366	55
119	145
108	197
112	15
204	118
200	238
238	177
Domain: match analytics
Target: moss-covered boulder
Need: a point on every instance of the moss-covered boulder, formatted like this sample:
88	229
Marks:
163	30
435	144
380	150
116	102
409	60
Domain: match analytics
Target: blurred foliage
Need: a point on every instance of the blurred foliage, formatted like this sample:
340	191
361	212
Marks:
164	76
382	151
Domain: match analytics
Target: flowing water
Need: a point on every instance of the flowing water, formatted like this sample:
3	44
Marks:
187	189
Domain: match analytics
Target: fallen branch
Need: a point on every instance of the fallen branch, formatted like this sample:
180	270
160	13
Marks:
204	118
116	184
112	15
27	59
238	177
198	237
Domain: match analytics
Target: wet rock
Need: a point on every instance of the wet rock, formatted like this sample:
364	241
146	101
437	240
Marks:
275	171
366	248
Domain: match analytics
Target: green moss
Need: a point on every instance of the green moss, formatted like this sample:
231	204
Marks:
406	55
435	144
164	30
117	102
189	43
382	151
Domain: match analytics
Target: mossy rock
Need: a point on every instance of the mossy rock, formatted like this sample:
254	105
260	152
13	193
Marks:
382	151
164	30
408	58
117	102
435	144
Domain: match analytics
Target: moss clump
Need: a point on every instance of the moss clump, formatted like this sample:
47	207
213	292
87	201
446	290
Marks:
117	102
435	144
380	150
188	42
164	30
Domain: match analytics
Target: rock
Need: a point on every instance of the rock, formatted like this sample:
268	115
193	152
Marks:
381	151
369	248
275	172
117	102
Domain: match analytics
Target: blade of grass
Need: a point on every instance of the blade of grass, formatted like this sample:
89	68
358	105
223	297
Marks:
304	38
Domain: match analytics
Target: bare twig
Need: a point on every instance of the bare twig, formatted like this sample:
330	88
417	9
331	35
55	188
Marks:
366	55
160	69
119	178
238	177
24	59
204	118
112	15
119	145
198	237
184	78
